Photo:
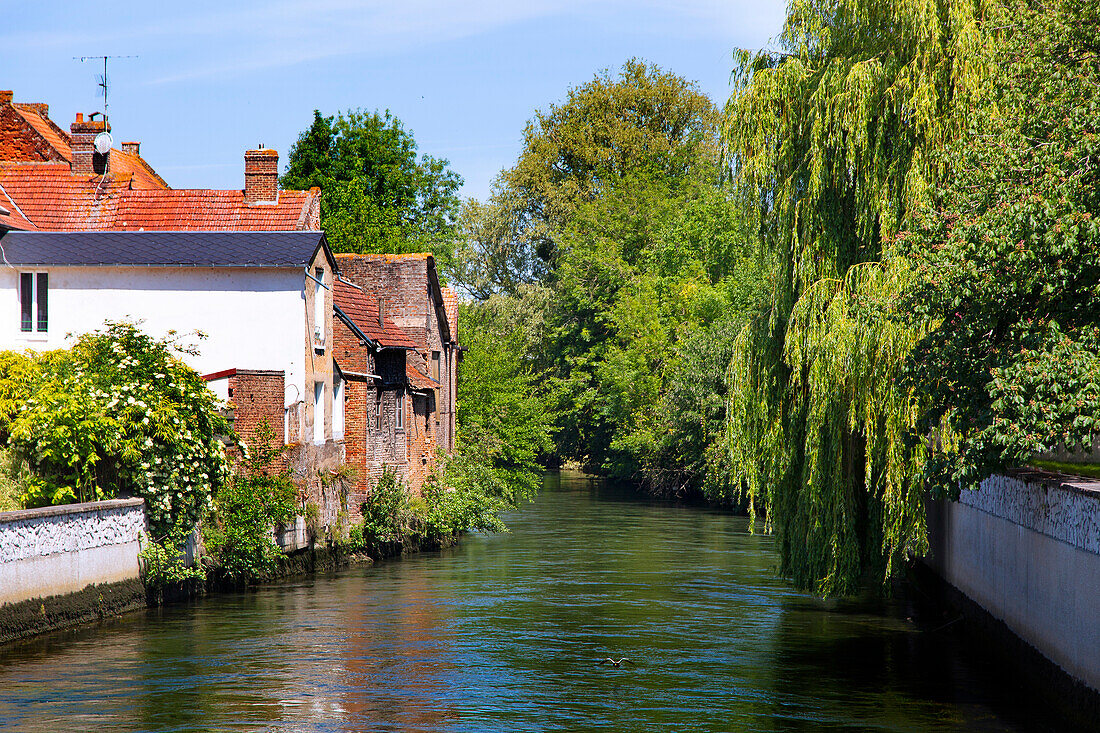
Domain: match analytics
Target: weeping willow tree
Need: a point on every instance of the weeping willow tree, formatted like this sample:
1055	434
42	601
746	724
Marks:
832	144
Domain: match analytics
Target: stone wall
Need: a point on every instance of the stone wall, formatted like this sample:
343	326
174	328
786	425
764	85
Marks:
1026	548
64	549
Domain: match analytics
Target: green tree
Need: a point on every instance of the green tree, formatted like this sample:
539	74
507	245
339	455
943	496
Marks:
1009	256
259	496
644	123
832	142
377	196
505	419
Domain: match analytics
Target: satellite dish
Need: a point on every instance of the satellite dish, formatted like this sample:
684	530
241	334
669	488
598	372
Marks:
103	143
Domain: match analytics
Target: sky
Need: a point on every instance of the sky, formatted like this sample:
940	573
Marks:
206	80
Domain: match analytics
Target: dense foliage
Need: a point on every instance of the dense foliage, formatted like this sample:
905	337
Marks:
646	122
1009	256
377	196
118	414
613	264
505	422
832	142
258	497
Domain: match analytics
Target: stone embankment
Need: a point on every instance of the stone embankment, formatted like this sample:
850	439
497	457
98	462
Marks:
64	565
1026	549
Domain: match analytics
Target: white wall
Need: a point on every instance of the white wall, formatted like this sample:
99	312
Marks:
63	549
253	317
1028	552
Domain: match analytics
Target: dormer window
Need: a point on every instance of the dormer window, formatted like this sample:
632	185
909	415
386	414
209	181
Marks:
33	302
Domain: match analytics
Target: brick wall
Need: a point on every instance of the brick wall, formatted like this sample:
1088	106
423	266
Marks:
257	396
86	161
19	141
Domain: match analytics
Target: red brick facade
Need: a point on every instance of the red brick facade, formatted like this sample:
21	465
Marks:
402	290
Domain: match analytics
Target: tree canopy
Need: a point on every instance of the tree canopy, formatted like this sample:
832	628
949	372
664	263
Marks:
1008	256
832	142
645	123
377	196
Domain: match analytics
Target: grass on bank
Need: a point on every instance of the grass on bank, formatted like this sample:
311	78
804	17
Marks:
1090	470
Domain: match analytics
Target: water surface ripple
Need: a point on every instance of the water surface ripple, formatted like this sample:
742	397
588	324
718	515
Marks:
503	633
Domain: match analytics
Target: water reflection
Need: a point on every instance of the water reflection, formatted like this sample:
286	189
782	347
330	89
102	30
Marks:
504	632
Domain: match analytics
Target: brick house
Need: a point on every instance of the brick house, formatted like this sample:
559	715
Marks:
350	359
409	404
54	180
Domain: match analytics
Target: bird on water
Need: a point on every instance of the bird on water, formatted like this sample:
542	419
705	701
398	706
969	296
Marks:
614	662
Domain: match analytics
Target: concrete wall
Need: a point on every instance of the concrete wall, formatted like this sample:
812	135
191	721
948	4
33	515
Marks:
1026	548
63	549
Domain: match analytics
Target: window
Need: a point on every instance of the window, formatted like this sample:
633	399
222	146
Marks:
33	302
435	365
337	406
378	412
399	412
319	305
318	412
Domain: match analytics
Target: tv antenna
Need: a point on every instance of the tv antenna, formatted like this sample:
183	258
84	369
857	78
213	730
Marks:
103	84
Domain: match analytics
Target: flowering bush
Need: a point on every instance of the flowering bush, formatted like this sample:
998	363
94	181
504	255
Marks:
118	414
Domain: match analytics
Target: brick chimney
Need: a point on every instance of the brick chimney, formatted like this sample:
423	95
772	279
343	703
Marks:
132	148
261	176
86	161
5	96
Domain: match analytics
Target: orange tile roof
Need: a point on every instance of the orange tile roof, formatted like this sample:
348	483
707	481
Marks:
55	137
13	218
450	304
417	379
55	199
362	309
188	209
51	197
35	157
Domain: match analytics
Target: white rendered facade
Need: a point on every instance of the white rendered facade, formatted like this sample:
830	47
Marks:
253	317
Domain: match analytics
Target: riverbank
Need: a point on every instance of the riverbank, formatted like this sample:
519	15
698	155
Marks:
99	602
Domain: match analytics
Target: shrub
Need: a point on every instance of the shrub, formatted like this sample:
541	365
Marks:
239	530
118	414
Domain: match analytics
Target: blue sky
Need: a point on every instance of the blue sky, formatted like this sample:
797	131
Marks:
215	78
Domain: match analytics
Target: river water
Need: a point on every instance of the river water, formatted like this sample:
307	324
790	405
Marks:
504	633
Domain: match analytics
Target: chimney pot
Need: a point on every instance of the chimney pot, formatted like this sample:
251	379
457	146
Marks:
79	116
261	176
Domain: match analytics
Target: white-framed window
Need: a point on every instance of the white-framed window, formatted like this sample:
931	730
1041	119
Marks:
34	293
319	305
435	365
337	406
318	412
399	409
378	412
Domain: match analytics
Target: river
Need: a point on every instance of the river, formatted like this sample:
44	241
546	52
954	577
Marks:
504	632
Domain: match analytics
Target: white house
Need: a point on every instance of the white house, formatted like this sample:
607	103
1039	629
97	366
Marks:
262	299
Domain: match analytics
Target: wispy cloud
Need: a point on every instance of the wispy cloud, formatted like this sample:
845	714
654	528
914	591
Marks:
267	34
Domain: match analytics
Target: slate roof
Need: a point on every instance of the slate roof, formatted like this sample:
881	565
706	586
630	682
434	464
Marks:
361	309
194	249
